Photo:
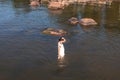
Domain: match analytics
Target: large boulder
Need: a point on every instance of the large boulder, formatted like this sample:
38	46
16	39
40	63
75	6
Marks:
56	32
87	22
73	20
55	5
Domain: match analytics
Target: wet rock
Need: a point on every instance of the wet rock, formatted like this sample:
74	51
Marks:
73	20
34	3
101	2
65	3
55	5
87	22
56	32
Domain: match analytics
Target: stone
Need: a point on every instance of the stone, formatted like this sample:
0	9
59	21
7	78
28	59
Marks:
55	5
87	22
56	32
73	20
34	3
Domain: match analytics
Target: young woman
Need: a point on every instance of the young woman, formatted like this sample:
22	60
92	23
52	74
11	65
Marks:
61	50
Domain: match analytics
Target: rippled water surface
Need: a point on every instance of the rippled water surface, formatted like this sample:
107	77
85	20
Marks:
92	53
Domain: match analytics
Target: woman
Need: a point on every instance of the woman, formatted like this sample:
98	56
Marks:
61	50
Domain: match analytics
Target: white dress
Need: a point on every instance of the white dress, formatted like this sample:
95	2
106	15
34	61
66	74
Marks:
61	50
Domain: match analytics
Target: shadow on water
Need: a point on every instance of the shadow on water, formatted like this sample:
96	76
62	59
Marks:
61	66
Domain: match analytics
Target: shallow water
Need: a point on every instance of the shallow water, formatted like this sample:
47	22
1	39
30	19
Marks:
92	53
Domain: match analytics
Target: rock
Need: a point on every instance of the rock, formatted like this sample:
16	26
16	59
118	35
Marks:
73	20
102	2
65	3
34	3
56	32
55	5
87	22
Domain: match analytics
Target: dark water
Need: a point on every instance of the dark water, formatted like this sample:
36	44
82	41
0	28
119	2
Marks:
92	53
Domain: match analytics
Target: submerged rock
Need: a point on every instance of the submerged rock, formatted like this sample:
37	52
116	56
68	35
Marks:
87	22
73	20
56	32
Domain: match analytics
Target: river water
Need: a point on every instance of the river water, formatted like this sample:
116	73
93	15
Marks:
91	53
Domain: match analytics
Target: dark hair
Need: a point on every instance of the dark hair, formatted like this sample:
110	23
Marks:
60	39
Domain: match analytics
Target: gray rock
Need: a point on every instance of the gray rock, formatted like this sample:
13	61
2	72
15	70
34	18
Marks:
55	5
56	32
34	3
73	20
87	22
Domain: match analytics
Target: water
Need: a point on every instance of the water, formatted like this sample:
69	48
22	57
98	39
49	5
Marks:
92	53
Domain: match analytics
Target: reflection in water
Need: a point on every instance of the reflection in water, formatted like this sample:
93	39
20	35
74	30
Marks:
21	6
119	13
61	62
20	3
61	66
102	24
34	7
56	12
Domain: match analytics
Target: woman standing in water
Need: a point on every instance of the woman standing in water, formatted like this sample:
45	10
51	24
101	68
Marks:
61	50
